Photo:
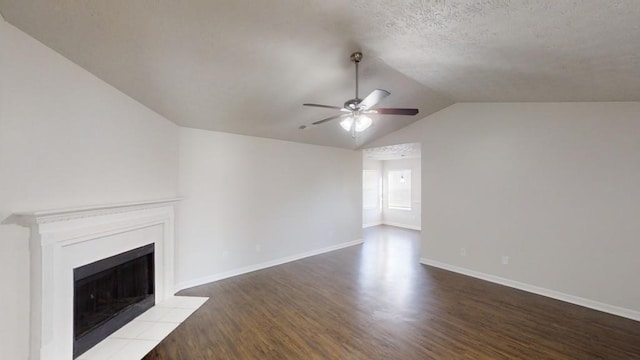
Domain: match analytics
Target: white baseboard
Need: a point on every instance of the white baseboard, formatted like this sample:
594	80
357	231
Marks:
412	227
611	309
364	226
247	269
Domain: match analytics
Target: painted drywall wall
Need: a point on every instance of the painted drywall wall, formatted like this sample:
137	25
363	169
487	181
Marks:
250	201
66	139
373	216
554	186
410	219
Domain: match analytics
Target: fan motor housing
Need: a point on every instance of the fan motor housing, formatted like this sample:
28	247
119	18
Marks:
352	104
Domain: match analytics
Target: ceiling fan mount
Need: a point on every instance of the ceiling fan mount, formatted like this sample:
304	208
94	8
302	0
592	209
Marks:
354	112
356	56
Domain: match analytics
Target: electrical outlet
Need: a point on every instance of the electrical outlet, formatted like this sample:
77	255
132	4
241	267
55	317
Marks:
258	248
225	254
463	252
505	260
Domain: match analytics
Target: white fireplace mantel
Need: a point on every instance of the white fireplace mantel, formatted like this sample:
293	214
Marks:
62	240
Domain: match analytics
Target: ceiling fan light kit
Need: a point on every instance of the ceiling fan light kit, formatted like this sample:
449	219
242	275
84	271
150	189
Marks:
362	123
354	112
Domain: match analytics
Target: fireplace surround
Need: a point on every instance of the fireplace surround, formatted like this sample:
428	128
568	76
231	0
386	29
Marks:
64	240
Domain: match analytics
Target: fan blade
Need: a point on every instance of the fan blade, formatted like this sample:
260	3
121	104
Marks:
323	106
389	111
327	119
372	99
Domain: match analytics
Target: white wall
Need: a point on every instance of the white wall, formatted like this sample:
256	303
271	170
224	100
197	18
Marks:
410	219
66	139
555	186
372	217
244	192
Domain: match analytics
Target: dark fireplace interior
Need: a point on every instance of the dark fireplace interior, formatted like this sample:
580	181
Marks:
109	293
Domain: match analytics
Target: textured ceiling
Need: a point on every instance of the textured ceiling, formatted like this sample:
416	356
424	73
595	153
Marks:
247	66
394	152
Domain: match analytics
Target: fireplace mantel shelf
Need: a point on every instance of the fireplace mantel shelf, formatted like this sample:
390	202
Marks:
28	219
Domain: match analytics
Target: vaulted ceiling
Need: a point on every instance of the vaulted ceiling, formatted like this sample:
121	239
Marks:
246	67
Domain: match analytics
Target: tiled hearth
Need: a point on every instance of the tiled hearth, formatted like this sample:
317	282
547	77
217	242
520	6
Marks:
137	338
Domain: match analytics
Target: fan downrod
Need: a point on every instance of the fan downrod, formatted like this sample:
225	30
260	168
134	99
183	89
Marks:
356	57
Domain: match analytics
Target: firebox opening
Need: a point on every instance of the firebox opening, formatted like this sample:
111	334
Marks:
109	293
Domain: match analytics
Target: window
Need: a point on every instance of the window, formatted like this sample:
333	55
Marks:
370	189
400	189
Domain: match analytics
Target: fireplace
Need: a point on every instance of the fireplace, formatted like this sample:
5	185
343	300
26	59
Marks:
63	242
109	293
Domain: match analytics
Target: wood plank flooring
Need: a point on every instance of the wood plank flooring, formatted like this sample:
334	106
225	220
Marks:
375	301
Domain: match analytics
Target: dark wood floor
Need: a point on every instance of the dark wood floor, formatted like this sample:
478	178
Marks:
375	301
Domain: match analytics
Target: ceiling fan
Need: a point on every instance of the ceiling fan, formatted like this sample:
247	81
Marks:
354	112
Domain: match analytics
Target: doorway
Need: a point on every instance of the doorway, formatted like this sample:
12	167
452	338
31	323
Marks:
392	186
